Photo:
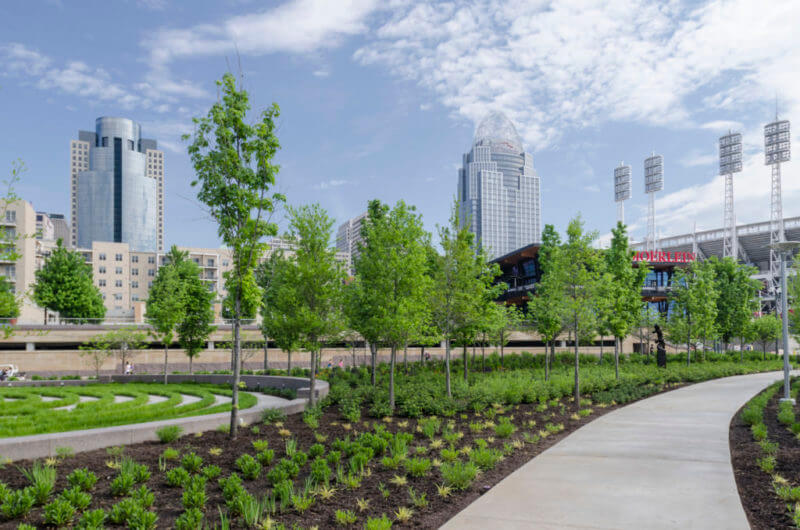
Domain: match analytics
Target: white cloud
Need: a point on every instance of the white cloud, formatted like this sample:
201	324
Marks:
722	126
321	72
698	158
569	64
425	106
324	185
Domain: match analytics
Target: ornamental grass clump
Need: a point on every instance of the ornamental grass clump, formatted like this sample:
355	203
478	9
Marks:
417	467
169	433
459	475
345	517
42	479
485	459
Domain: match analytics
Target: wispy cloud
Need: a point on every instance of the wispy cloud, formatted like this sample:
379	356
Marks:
321	72
698	158
327	184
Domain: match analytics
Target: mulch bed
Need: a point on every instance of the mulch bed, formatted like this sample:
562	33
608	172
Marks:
168	504
764	509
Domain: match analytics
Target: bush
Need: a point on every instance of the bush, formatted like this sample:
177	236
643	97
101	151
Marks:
194	496
210	472
18	503
191	462
265	457
459	475
59	513
77	498
82	478
177	477
92	520
759	432
249	467
345	517
485	459
316	450
42	479
504	428
320	471
378	523
430	427
143	497
169	434
122	484
417	467
191	519
272	416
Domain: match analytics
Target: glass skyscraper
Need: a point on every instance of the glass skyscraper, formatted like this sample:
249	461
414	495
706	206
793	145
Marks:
498	189
117	187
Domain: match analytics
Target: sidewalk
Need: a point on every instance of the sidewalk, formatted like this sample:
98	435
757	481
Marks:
663	462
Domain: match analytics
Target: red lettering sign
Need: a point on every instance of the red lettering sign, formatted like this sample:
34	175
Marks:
664	257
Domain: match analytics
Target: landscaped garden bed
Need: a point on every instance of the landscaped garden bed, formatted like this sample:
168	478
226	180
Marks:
38	410
351	464
765	452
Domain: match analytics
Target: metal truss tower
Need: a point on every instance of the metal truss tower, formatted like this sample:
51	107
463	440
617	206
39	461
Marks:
622	189
730	162
653	182
777	149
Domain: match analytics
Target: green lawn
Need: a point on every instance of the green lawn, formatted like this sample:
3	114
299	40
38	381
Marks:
38	410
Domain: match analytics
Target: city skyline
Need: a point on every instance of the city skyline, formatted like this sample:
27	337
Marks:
363	117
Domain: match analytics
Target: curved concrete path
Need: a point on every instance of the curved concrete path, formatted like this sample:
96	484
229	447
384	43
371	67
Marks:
663	462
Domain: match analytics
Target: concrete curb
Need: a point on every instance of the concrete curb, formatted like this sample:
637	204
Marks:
44	445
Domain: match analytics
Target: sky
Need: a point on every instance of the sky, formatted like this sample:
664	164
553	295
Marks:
380	98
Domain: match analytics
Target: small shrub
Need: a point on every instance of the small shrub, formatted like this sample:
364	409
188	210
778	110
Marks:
418	500
272	416
260	445
334	457
504	428
430	427
320	471
301	503
300	458
788	493
77	498
265	457
92	520
177	477
59	513
459	475
759	431
767	463
351	410
122	484
316	450
191	519
143	497
191	462
249	467
194	496
345	517
82	478
449	455
210	472
417	467
122	512
169	433
485	459
42	479
378	523
142	519
170	454
64	452
18	503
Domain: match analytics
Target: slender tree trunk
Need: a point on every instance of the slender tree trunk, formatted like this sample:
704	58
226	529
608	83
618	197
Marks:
391	377
688	344
577	368
166	355
191	358
266	355
312	398
353	353
741	349
466	359
473	352
405	358
601	349
237	352
616	357
373	350
483	356
552	352
546	360
447	366
502	343
422	355
288	362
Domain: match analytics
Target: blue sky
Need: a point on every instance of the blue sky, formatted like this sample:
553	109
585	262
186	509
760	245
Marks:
380	99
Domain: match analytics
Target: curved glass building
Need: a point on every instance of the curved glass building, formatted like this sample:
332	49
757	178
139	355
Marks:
117	185
498	189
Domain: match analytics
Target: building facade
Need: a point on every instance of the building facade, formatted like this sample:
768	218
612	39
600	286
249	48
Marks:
117	187
499	192
348	238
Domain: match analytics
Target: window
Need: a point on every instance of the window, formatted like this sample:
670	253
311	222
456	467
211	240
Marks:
210	262
118	270
117	296
134	259
102	256
151	259
118	283
101	270
101	283
135	297
11	215
224	263
118	257
151	272
196	260
134	272
149	285
130	145
104	142
135	285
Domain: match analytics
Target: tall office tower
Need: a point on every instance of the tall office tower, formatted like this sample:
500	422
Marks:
60	228
498	189
117	187
349	235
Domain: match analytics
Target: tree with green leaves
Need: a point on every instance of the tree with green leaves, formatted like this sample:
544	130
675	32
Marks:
621	289
764	329
318	279
581	267
10	239
9	303
121	342
250	292
275	276
198	315
793	297
64	284
503	320
166	303
546	304
391	279
736	300
694	303
235	171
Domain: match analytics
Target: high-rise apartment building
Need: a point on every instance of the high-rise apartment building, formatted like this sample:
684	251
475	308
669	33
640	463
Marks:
349	235
498	189
117	187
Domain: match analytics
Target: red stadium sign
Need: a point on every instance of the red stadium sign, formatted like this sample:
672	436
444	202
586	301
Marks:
658	256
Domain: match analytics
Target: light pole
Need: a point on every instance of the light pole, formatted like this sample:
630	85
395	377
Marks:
784	249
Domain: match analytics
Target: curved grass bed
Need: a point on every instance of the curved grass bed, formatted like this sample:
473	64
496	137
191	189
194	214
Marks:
25	411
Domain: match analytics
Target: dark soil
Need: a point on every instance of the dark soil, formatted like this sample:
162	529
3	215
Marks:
764	509
168	503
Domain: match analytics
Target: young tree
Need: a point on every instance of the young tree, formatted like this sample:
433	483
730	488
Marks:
793	297
694	298
235	172
251	297
64	284
764	329
9	302
10	250
317	282
582	269
736	301
97	352
120	342
275	277
621	289
503	319
166	303
198	314
391	277
546	304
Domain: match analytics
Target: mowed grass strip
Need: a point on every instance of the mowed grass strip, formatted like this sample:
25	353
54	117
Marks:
24	412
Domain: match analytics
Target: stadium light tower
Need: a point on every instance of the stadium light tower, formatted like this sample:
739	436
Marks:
622	189
730	162
777	149
653	182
